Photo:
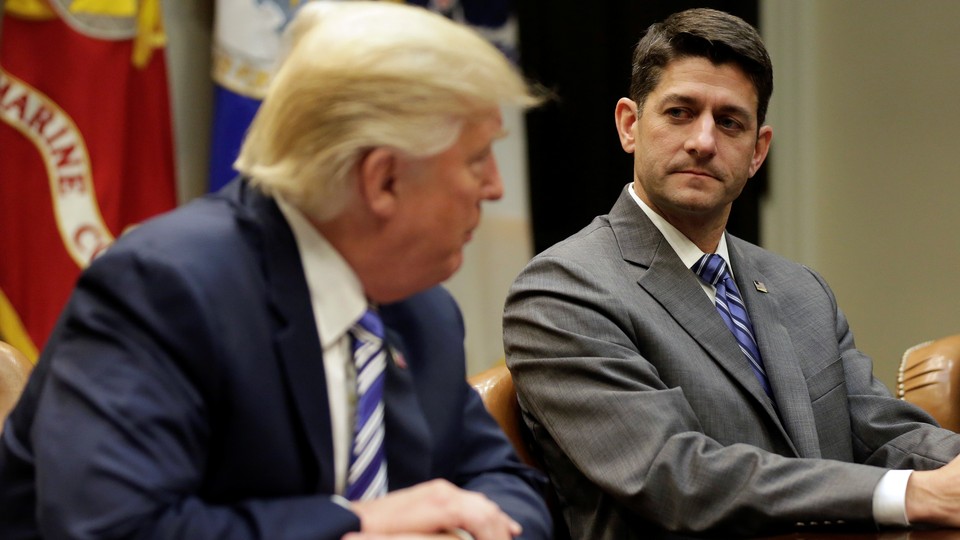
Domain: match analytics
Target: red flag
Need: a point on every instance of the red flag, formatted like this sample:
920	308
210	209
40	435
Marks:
85	146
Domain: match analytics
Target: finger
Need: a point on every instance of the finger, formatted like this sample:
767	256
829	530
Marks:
399	536
483	518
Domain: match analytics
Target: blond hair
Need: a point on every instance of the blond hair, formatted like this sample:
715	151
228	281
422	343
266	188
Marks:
362	75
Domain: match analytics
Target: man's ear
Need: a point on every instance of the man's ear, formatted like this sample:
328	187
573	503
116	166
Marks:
764	136
626	117
377	181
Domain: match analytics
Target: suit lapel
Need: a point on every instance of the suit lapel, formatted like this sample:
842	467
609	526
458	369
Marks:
408	438
678	290
297	342
779	356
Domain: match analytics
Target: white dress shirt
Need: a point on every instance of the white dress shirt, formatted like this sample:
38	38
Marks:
338	303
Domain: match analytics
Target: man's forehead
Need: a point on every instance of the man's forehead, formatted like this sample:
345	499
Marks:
694	79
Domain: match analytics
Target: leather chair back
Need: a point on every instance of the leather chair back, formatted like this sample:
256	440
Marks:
495	387
14	370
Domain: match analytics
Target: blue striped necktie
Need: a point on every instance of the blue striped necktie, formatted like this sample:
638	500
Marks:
367	475
712	269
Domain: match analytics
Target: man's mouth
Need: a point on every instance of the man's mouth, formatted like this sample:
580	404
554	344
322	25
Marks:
699	172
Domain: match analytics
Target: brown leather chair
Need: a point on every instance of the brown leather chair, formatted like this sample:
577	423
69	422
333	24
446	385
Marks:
14	370
495	387
929	377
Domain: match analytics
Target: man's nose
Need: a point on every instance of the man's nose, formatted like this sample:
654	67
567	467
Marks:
493	183
702	140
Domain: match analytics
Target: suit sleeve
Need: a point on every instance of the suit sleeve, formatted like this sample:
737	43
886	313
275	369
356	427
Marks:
122	428
887	432
607	421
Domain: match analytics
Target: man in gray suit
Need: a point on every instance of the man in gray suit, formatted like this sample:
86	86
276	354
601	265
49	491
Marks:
663	402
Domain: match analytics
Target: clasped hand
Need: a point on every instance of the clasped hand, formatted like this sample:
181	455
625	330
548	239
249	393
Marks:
432	510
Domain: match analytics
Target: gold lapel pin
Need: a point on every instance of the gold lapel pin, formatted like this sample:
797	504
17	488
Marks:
760	286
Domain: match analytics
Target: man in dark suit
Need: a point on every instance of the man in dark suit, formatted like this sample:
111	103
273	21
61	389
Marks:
665	402
201	382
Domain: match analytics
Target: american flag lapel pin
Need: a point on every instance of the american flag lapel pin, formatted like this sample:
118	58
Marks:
760	286
398	358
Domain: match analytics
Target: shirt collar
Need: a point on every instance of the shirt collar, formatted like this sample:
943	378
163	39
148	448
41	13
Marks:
688	252
335	290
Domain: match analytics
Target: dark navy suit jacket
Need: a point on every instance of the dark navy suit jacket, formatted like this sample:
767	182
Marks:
182	395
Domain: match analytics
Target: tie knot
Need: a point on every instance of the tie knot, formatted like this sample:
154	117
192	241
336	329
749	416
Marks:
711	268
369	327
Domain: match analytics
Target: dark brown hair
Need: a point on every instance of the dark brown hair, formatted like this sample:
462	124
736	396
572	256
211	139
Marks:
720	37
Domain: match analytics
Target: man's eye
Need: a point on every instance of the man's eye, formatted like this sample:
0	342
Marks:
676	113
729	123
478	165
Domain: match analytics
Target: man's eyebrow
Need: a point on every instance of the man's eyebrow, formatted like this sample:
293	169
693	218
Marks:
682	99
482	153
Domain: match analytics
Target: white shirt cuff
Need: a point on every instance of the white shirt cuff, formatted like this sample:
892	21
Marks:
890	499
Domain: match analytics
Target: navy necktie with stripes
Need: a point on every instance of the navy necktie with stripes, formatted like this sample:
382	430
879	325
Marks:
367	475
712	269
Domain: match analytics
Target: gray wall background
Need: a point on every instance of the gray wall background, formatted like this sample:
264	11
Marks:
864	171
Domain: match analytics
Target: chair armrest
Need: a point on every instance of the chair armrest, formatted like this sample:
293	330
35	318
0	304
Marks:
929	377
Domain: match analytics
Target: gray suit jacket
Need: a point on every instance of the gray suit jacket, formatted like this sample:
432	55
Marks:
649	417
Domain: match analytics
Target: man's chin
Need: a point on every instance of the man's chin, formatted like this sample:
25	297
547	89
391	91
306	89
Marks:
698	201
685	207
432	276
453	265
